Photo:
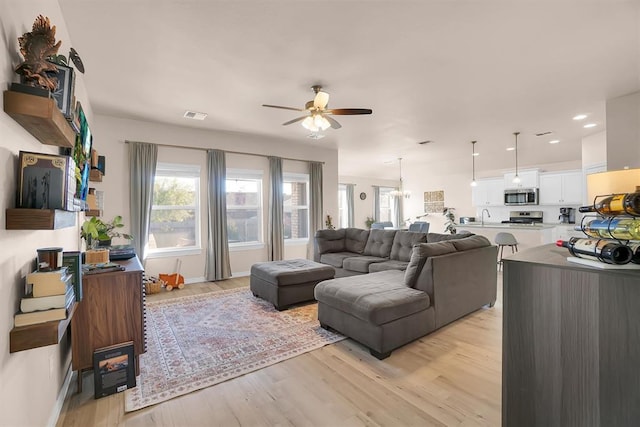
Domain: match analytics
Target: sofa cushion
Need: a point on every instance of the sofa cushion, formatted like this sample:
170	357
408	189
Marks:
330	240
379	243
403	244
471	242
376	298
392	264
355	240
360	263
335	259
438	237
420	253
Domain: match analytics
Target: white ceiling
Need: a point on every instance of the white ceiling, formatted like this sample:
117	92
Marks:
449	71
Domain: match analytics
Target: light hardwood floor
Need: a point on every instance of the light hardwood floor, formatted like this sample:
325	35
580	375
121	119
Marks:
451	377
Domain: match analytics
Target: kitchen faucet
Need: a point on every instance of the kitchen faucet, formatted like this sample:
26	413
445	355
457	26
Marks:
482	215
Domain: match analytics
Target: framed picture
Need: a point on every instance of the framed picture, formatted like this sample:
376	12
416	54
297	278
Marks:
64	93
114	369
45	181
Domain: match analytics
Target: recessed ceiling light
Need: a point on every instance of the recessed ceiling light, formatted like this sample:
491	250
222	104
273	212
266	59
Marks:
194	115
590	125
475	154
554	141
511	148
580	117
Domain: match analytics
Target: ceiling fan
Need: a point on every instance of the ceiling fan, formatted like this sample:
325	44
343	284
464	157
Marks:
317	116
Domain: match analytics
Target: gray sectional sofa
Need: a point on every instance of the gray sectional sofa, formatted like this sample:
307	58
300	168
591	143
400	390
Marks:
445	278
352	251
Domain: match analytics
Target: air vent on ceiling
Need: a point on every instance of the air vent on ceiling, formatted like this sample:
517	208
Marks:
544	133
194	115
428	141
314	135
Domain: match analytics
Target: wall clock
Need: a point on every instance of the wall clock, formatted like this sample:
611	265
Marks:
363	195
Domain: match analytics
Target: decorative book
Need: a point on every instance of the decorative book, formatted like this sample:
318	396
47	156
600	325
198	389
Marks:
73	261
114	369
44	284
30	303
25	319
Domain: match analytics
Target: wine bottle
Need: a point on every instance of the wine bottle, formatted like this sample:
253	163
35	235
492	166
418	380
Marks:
613	228
635	247
617	204
606	251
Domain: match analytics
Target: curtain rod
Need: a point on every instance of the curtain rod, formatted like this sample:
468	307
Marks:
226	151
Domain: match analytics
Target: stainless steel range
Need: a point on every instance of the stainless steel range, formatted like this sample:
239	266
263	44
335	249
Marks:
524	217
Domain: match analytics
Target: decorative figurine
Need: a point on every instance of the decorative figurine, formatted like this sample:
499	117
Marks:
36	47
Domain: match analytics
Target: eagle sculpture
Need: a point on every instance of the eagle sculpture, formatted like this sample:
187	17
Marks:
36	47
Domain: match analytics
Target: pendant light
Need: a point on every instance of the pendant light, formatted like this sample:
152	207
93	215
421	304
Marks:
516	179
400	192
473	164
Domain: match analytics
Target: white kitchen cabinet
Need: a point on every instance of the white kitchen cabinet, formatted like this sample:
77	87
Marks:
488	192
561	188
528	179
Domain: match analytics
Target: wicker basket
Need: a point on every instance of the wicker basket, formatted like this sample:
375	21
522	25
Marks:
152	285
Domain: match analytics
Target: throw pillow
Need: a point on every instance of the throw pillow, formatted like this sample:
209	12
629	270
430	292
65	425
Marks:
473	242
419	256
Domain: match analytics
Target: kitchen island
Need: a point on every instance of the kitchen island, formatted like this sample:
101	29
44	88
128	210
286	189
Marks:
571	347
527	235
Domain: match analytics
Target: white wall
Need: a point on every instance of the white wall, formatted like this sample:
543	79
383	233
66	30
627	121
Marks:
110	134
30	381
623	132
594	149
363	208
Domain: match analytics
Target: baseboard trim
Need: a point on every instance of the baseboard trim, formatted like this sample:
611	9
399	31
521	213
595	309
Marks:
62	394
242	274
194	280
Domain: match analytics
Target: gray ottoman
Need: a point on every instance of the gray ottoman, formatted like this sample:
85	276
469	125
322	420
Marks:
284	283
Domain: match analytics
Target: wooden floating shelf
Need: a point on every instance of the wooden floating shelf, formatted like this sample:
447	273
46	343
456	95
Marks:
41	117
39	219
40	334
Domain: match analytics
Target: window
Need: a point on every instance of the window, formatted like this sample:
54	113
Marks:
296	206
387	205
244	207
175	213
343	207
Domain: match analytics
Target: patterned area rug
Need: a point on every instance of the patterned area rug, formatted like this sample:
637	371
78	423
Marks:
197	341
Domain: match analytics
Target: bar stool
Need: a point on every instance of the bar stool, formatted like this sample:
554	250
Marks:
505	239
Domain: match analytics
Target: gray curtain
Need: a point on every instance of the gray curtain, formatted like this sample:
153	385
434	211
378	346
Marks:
218	266
142	172
397	207
316	221
350	205
276	210
376	203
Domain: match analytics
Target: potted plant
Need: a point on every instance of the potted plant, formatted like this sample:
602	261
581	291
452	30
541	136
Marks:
369	221
96	232
450	223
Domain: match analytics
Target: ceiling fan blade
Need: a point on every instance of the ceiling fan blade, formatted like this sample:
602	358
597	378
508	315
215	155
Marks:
321	100
348	111
294	120
284	108
334	122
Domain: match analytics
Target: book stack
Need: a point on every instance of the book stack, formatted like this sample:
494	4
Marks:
49	296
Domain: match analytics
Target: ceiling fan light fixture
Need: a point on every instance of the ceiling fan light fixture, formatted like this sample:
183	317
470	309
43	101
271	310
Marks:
321	100
309	124
321	122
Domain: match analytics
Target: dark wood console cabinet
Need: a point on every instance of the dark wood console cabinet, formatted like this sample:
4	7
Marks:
571	342
112	311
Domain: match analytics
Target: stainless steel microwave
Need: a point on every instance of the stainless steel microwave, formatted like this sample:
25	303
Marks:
521	196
